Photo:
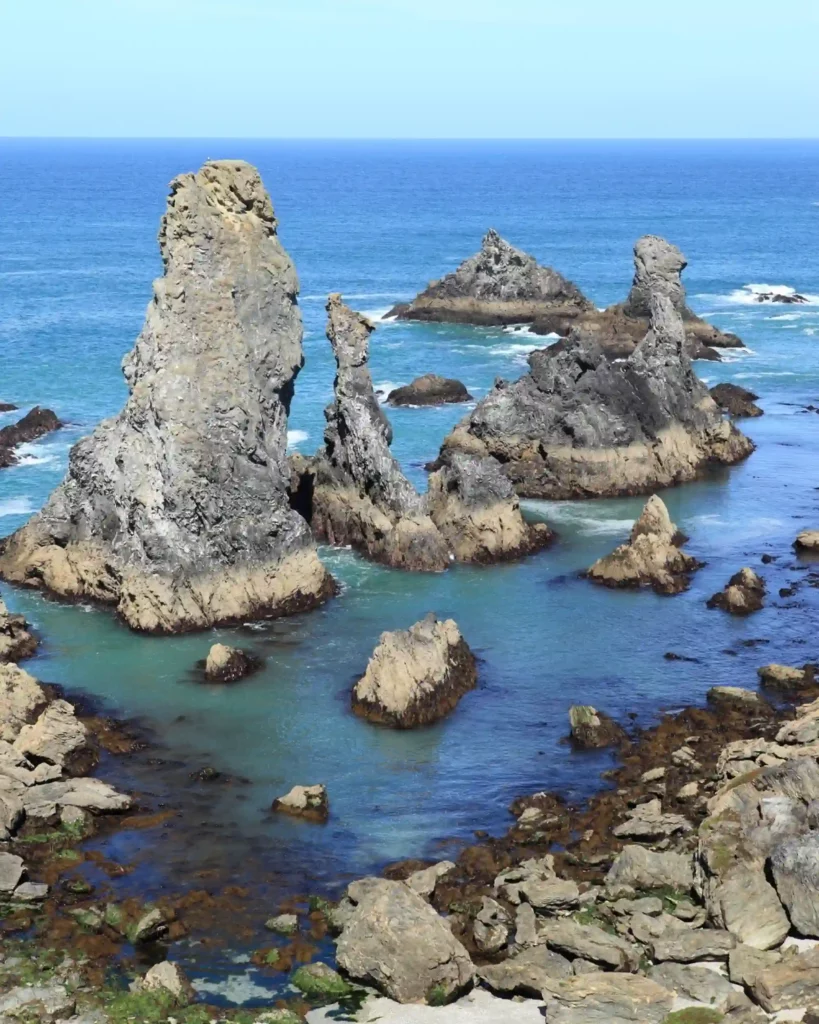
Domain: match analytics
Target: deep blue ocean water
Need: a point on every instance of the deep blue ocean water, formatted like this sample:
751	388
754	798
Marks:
78	223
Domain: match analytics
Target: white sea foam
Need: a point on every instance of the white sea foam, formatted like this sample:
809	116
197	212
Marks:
751	294
295	437
571	514
16	507
734	355
525	332
765	373
236	988
379	316
38	454
788	316
383	388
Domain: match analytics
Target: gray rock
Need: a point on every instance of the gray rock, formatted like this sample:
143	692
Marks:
11	814
591	943
21	698
550	895
169	977
176	510
499	285
658	266
579	425
688	946
638	868
416	676
791	984
30	892
491	928
12	870
397	942
647	821
604	998
423	882
16	642
526	933
745	963
526	973
795	867
354	489
283	924
699	984
88	794
55	737
592	729
47	1002
736	401
733	695
429	389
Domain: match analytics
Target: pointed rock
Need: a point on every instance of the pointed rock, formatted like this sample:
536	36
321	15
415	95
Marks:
743	594
498	285
357	492
650	558
16	642
176	509
578	425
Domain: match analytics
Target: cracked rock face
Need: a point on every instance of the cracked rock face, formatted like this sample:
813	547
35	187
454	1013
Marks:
498	285
579	425
175	510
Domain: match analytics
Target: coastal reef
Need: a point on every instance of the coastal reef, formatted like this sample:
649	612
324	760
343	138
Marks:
176	510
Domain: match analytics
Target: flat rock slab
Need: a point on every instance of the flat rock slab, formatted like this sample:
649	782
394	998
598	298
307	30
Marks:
479	1007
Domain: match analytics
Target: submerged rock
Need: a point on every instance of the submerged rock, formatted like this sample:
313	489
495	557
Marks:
498	285
35	424
416	675
228	664
578	425
736	401
430	389
743	594
309	802
475	507
176	509
397	942
592	729
354	489
16	642
650	558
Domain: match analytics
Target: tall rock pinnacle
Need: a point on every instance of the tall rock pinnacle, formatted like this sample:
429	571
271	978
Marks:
176	510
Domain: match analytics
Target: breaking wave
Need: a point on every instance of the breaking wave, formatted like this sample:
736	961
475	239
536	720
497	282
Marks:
752	295
15	507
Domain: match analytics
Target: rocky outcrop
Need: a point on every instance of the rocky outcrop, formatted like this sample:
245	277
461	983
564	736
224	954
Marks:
355	491
415	676
310	802
807	540
16	642
579	425
474	506
591	729
176	511
395	941
743	594
736	401
795	870
650	558
787	677
228	664
35	424
430	389
498	285
620	328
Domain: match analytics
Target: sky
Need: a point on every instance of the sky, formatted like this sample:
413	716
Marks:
409	68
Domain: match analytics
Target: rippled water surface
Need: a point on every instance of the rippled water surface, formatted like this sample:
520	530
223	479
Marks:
78	224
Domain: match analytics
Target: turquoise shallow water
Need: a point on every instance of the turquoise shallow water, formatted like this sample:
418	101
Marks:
77	255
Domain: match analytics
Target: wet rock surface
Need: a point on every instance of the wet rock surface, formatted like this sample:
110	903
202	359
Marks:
429	389
175	510
34	425
735	400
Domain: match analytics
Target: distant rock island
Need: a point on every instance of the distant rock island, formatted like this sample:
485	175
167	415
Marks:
502	285
176	510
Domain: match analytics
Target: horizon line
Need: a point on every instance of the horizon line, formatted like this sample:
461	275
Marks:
406	138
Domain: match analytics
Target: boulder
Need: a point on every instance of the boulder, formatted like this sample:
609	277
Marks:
21	699
743	594
550	895
320	983
353	492
603	998
176	510
579	425
687	946
228	664
85	793
526	973
699	985
736	401
415	676
35	424
12	871
589	942
592	729
635	867
491	927
791	984
795	869
396	941
647	821
283	924
16	642
430	389
650	558
12	813
807	540
55	737
786	677
476	509
734	696
499	285
169	977
310	802
424	881
745	963
43	1003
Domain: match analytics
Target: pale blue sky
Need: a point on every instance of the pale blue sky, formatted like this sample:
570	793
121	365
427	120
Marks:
410	68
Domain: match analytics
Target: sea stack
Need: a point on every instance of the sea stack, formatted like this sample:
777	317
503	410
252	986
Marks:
580	425
498	285
176	510
358	494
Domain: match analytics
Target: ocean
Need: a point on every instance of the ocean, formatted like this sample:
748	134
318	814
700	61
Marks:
377	221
